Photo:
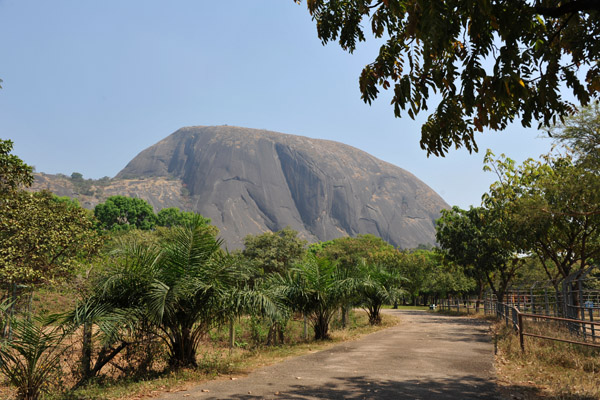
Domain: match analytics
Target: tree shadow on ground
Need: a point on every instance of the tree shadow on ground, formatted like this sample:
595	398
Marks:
466	388
362	388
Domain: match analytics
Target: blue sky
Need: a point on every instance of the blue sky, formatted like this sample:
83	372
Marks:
90	84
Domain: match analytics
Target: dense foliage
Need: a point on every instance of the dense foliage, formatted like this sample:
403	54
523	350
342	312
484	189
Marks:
122	213
41	237
543	213
488	62
274	252
13	171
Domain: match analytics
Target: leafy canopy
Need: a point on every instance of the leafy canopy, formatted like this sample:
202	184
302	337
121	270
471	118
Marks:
178	288
488	61
274	252
317	287
553	208
580	133
348	252
122	213
13	171
41	237
483	243
173	216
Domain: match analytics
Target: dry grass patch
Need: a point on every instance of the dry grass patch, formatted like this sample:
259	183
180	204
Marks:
547	369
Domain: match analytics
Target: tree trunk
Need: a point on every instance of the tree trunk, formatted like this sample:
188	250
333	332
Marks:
321	328
86	351
183	350
374	316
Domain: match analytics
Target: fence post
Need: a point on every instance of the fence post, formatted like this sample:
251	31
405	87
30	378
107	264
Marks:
231	335
592	320
521	328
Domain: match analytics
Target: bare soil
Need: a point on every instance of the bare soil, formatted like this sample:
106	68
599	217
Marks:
426	356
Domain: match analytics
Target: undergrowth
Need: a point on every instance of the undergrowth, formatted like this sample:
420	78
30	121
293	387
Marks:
547	369
216	359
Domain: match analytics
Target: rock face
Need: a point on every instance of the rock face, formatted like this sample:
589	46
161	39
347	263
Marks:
252	181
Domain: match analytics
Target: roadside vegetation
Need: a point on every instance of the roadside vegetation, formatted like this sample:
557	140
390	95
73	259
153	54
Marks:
121	299
546	370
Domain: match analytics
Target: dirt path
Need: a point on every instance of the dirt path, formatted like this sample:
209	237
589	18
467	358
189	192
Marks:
427	356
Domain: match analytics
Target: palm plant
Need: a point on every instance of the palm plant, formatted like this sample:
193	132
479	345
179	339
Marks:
317	288
32	357
179	290
377	286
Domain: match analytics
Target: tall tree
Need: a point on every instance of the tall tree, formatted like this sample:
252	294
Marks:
416	268
13	171
482	243
41	236
580	132
173	216
489	61
274	252
554	207
122	213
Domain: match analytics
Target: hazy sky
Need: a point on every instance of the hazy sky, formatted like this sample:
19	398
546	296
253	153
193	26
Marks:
90	84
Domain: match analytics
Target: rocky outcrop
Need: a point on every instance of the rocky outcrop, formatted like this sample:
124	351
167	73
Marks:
252	181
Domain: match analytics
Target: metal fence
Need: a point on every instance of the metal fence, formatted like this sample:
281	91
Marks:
573	305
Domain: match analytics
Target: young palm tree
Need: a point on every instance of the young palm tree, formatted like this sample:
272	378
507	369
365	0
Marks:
32	357
179	290
317	288
377	286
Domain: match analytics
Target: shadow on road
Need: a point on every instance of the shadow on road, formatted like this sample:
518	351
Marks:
359	388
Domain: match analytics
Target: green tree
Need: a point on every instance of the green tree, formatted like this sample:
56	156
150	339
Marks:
13	171
41	237
488	61
274	252
481	242
173	216
415	267
348	252
553	208
317	287
448	278
580	132
181	288
122	213
378	285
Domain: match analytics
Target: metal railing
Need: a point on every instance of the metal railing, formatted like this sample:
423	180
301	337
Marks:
515	318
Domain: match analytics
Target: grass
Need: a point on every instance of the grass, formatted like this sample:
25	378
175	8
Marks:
547	369
216	361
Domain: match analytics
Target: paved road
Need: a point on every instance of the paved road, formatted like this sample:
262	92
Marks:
427	356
